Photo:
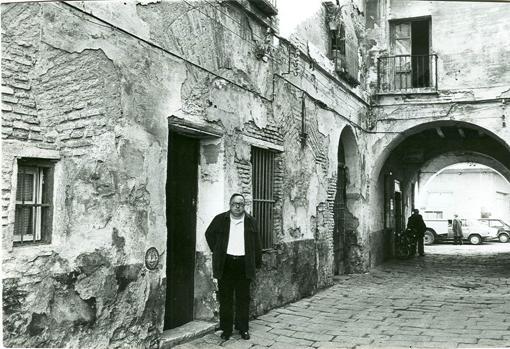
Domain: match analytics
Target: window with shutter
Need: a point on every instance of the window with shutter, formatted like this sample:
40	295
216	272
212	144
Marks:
32	221
344	52
411	64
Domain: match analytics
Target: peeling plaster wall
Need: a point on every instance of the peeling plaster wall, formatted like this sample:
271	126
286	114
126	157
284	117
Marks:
471	46
473	80
97	94
70	89
313	36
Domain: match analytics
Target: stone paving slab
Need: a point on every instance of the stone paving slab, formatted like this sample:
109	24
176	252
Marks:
454	297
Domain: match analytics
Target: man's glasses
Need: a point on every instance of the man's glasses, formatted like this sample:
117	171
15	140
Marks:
237	204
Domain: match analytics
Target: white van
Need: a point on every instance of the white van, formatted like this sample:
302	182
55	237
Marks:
472	230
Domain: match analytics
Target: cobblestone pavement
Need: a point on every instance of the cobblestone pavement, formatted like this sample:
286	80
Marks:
454	297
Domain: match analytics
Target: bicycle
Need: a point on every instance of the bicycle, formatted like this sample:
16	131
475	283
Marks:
405	243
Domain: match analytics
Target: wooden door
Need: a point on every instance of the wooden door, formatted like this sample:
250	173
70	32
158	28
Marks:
181	196
401	49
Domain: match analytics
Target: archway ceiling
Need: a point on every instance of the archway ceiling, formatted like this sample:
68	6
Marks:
432	167
430	143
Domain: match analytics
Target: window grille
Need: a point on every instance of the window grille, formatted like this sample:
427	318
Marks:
32	221
263	193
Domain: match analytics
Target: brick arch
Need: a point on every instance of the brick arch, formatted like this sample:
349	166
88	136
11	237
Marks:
351	159
345	237
434	166
389	143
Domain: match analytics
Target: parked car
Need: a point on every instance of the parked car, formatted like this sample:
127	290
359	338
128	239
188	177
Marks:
472	230
502	229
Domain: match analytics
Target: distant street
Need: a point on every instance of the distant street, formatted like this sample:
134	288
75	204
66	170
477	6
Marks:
454	297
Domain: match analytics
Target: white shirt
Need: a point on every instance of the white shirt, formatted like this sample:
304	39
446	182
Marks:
235	245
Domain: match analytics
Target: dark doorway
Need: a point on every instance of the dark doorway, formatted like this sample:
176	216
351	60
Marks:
420	49
340	207
181	197
398	212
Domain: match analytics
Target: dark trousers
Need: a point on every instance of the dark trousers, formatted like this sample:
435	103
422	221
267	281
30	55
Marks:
421	250
234	289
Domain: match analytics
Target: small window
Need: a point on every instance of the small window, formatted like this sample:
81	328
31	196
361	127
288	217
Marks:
33	216
338	40
263	193
434	214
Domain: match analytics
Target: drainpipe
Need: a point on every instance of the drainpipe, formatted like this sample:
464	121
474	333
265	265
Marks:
303	135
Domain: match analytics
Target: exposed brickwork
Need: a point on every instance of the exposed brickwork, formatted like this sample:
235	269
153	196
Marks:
20	47
77	105
271	133
100	98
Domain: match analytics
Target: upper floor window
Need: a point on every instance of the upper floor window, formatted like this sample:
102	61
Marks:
33	216
410	67
344	52
337	37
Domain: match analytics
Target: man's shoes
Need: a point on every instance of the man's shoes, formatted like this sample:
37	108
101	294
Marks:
244	335
225	335
422	254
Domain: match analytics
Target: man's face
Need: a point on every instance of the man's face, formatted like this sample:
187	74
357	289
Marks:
237	206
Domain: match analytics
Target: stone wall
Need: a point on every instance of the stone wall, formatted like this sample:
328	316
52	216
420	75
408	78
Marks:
471	45
96	87
473	83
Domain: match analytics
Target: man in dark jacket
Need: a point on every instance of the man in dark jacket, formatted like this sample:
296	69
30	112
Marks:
234	240
416	223
457	230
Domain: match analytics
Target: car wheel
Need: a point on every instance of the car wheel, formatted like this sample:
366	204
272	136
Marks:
503	237
428	237
475	239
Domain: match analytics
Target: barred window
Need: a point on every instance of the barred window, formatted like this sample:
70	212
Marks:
263	193
33	216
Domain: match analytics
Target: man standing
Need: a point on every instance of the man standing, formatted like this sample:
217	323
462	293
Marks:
234	240
457	230
416	223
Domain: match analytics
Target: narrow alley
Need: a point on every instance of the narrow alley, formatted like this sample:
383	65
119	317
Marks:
454	297
166	164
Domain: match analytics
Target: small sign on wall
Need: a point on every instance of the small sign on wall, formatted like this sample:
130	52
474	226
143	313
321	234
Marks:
152	258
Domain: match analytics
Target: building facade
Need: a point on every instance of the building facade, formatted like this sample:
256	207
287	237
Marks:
127	126
472	191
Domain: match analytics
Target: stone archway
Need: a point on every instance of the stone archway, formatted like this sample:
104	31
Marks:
402	155
345	237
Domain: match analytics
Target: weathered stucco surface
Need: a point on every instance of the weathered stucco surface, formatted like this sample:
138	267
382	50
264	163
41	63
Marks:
96	87
473	85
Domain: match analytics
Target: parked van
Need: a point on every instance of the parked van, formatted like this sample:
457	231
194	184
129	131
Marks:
501	227
472	230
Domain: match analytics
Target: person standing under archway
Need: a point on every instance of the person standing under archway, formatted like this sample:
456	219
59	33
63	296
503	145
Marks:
416	223
457	230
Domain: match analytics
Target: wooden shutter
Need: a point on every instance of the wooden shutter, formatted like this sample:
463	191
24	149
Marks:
351	52
401	64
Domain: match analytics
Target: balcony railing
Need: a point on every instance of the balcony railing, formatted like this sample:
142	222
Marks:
407	74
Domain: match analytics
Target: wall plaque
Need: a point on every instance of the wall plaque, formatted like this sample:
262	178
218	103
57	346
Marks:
152	258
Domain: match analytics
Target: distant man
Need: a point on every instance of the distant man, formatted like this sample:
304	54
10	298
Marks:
234	240
457	230
416	223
